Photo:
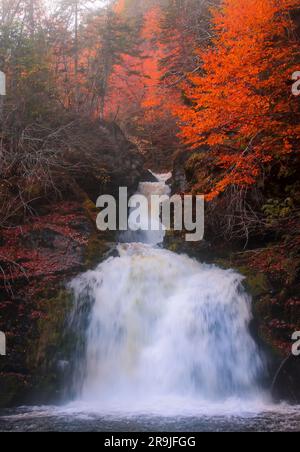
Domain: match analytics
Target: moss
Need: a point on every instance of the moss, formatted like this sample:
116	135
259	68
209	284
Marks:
275	208
97	248
50	330
48	344
173	247
90	209
13	386
99	243
256	283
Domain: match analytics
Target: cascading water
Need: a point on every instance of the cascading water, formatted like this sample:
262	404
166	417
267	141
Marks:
164	328
156	235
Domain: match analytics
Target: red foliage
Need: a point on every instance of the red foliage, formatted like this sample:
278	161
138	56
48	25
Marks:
26	256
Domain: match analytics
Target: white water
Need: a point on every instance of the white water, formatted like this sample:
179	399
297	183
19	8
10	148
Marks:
166	333
156	235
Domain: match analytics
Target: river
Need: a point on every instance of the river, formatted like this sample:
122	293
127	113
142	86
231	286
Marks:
168	348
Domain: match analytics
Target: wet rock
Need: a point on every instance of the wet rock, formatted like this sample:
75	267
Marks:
179	182
147	176
286	385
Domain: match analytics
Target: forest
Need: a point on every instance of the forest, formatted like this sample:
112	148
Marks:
176	76
100	92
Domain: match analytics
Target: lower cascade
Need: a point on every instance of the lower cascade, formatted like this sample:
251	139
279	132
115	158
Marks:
164	327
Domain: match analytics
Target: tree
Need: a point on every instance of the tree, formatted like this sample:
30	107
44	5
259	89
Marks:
185	27
171	31
65	27
240	101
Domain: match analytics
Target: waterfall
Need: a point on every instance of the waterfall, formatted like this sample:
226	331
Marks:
152	237
164	327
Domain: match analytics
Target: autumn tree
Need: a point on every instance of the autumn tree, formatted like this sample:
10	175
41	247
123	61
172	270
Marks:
171	31
185	26
25	57
240	101
64	28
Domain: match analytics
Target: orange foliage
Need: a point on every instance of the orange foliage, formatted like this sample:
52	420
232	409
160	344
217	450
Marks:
242	97
135	85
126	89
119	7
154	52
157	101
140	90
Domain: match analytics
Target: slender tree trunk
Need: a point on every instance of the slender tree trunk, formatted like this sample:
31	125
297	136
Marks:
31	18
1	109
107	60
2	94
76	57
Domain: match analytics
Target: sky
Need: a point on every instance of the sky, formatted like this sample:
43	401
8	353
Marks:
93	3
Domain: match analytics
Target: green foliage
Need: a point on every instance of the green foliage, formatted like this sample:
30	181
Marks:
276	209
31	92
293	191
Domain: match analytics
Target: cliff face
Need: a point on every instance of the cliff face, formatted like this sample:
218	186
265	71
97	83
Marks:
40	255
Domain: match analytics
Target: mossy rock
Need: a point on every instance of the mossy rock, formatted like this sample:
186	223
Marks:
256	283
50	330
173	247
100	242
98	248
